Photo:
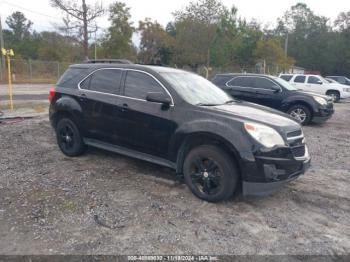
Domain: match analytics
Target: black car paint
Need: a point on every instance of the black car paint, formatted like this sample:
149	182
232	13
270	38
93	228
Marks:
162	134
280	100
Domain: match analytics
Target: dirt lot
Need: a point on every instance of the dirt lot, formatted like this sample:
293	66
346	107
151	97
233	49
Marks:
104	203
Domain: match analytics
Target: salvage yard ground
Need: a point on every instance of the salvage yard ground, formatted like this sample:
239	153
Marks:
103	203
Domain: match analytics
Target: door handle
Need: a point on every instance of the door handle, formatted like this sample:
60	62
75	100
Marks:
82	97
125	107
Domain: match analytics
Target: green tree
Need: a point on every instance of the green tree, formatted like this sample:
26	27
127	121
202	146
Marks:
156	44
118	43
196	31
56	47
308	36
273	54
19	25
224	47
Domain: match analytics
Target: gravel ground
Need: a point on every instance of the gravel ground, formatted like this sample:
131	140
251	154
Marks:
103	203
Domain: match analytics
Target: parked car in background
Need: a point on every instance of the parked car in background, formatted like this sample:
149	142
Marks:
276	93
179	120
340	79
329	80
317	84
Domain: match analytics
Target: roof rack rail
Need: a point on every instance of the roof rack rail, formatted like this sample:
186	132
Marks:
108	61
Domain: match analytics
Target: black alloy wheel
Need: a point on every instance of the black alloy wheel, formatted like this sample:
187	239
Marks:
210	173
68	138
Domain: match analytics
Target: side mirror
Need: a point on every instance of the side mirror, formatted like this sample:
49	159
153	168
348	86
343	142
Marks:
158	97
275	88
319	82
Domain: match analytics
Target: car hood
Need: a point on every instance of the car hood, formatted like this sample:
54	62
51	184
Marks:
259	114
337	86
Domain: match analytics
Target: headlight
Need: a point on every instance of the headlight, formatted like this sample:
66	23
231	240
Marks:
265	135
320	100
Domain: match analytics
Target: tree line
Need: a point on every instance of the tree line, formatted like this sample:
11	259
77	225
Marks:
204	33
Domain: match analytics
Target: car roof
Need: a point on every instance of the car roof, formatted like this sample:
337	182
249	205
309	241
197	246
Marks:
244	74
147	68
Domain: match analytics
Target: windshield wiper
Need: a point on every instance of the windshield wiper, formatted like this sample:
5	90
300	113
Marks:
204	104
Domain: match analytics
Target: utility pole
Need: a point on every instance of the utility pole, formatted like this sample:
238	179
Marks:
2	60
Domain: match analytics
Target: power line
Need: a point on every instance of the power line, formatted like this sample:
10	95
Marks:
28	10
38	13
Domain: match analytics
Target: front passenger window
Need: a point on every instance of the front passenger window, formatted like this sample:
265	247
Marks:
314	80
138	84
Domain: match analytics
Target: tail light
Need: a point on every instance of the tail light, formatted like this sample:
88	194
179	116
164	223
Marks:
52	94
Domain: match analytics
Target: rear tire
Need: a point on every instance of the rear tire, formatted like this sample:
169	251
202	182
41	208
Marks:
69	138
335	95
300	113
210	173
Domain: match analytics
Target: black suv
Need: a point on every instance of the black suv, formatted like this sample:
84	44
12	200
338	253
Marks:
179	120
276	93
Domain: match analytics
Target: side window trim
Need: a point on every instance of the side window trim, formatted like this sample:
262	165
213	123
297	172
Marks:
122	83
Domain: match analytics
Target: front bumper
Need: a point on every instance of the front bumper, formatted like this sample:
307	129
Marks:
266	188
268	169
323	114
344	95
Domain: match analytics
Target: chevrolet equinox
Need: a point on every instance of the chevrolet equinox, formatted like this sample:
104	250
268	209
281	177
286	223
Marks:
179	120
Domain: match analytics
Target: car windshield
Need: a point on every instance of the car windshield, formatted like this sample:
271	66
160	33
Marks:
285	84
196	90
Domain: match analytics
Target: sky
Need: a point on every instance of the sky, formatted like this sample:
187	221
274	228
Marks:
45	17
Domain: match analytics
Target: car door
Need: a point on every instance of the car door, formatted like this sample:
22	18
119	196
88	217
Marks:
267	92
145	126
299	82
241	87
315	84
98	98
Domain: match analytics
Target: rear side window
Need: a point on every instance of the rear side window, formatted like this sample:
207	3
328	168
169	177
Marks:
242	82
286	77
106	81
138	84
72	77
221	80
299	79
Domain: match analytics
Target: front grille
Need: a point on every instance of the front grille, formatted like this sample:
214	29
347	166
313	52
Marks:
299	151
294	133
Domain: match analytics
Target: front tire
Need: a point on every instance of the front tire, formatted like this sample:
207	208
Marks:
210	173
300	113
69	138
